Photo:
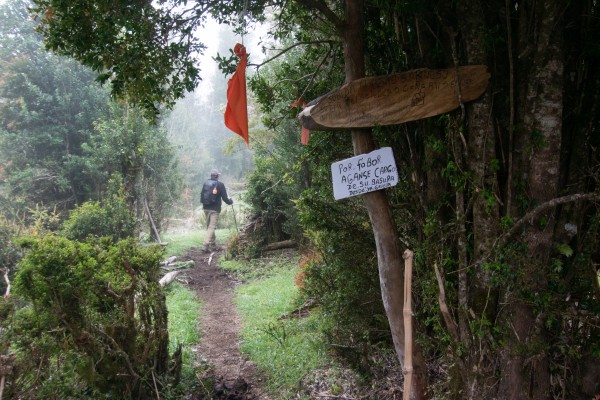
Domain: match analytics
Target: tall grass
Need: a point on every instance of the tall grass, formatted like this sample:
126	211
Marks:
285	350
184	314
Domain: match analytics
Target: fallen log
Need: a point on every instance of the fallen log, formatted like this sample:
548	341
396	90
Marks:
168	278
300	312
284	244
169	260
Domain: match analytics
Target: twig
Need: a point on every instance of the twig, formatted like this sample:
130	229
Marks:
152	221
450	323
531	215
117	349
321	5
511	99
155	387
282	52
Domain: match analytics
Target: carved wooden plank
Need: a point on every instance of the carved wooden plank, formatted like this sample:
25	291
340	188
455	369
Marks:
394	99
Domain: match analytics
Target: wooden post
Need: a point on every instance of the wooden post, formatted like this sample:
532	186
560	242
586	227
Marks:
156	234
389	252
407	312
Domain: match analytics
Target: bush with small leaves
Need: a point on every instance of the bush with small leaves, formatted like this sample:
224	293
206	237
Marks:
92	320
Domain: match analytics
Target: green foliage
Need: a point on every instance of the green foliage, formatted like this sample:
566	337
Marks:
286	350
455	175
50	158
46	114
342	274
146	75
554	288
110	217
141	158
270	194
184	313
93	320
565	250
146	51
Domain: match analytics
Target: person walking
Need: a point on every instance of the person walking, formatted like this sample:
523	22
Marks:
213	192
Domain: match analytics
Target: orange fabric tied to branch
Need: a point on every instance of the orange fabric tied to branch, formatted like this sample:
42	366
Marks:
236	112
305	132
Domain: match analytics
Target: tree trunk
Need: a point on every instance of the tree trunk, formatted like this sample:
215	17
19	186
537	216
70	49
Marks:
478	156
389	253
526	366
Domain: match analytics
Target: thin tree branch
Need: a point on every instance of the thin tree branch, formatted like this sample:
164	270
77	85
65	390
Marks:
450	323
502	240
511	98
312	78
116	348
544	207
282	52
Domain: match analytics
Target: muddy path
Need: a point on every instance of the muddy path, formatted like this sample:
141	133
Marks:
230	375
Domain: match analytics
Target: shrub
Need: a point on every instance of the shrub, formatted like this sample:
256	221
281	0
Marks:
110	218
92	320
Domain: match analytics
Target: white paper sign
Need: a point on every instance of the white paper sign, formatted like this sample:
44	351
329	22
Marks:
364	173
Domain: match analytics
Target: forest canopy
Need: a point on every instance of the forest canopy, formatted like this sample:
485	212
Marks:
498	199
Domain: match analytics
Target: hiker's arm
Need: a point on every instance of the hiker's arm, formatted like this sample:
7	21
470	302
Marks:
225	197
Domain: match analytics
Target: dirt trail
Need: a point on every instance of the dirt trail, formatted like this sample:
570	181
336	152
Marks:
235	378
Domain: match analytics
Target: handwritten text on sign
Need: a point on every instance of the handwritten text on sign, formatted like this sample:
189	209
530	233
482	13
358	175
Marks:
364	173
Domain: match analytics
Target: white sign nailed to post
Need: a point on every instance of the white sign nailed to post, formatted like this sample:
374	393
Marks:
364	173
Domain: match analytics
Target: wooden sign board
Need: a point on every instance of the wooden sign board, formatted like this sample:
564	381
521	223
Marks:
394	99
364	173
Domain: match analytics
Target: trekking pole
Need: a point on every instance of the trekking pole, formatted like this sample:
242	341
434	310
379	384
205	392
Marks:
234	219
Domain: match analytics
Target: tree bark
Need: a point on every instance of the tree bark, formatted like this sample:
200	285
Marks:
389	253
527	371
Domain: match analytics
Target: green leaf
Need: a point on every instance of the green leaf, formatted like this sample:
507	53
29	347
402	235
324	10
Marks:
565	250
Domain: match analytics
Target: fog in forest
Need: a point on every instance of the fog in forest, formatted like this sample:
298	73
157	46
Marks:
196	125
62	138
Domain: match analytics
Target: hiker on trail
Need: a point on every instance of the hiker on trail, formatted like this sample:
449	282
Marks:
212	193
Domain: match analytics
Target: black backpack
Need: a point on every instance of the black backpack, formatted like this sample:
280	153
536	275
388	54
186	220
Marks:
209	194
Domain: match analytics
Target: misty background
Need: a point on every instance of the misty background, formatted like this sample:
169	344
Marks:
63	139
196	126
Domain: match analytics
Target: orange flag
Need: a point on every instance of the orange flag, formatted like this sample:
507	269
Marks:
236	112
305	132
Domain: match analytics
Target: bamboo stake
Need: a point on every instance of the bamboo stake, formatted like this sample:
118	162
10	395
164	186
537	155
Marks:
407	312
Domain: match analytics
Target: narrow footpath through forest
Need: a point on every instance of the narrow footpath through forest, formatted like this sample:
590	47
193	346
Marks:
234	377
